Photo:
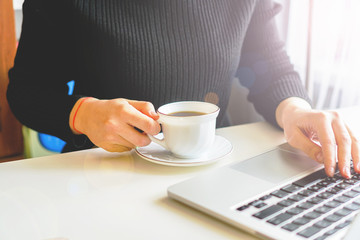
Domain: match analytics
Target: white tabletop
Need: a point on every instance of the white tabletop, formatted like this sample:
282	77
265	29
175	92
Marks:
95	194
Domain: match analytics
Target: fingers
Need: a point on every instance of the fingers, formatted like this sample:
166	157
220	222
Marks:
343	141
117	143
120	148
303	126
337	142
135	118
111	124
113	143
328	145
146	108
116	148
355	150
131	117
134	137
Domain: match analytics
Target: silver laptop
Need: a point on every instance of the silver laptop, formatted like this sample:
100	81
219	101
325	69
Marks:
281	194
354	230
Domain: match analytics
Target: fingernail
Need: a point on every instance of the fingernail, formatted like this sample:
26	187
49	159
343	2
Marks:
347	172
358	167
319	157
332	171
153	113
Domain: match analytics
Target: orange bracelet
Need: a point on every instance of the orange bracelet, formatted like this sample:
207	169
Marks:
73	121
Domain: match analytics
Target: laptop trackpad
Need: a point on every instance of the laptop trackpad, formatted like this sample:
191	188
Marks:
276	166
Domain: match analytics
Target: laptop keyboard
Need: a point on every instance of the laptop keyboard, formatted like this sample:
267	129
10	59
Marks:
314	207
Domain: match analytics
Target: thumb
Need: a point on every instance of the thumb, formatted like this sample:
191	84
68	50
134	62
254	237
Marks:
300	141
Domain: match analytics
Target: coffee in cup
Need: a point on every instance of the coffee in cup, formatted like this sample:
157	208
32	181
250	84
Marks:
188	128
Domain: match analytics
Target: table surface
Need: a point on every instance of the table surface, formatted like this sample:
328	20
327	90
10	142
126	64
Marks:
95	194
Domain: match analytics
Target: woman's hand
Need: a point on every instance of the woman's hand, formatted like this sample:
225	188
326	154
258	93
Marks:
110	124
322	135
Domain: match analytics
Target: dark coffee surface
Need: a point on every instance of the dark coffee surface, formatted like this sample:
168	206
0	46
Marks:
186	114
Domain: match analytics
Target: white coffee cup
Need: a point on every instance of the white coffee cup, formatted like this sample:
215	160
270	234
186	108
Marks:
187	136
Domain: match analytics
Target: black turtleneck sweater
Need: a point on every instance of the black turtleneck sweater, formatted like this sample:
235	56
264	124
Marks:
153	50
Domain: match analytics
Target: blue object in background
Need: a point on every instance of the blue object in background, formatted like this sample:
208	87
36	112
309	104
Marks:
71	86
52	143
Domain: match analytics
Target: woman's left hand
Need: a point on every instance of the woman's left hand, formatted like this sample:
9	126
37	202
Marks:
322	135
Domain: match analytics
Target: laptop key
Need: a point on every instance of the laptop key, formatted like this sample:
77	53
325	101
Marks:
322	209
326	183
295	211
351	194
334	190
321	237
286	203
315	200
356	189
261	205
343	185
257	203
253	203
301	221
333	179
268	211
333	218
291	188
356	176
350	181
342	199
315	188
265	197
331	232
306	193
352	207
357	201
305	205
322	224
290	227
342	225
312	215
325	195
308	232
280	218
343	212
296	198
306	181
332	204
242	208
279	193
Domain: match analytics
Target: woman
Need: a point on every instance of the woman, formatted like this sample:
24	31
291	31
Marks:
160	51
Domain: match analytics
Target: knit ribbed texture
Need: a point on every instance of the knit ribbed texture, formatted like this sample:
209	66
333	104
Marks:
165	51
154	50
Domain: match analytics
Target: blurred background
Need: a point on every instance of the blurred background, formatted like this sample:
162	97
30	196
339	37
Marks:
322	39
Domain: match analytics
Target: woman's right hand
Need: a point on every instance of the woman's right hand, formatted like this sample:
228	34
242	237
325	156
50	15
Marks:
109	124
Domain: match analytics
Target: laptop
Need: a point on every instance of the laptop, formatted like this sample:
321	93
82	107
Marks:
280	194
354	229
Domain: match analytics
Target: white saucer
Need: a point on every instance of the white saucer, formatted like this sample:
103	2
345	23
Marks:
157	154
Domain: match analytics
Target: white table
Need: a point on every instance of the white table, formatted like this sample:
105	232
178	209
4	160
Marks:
94	194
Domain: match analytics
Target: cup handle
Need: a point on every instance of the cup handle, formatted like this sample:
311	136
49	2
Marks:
161	142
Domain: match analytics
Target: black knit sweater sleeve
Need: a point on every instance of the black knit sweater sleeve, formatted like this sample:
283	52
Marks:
159	57
265	68
37	91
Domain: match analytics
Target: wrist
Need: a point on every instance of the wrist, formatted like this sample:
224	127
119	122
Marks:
78	115
288	107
